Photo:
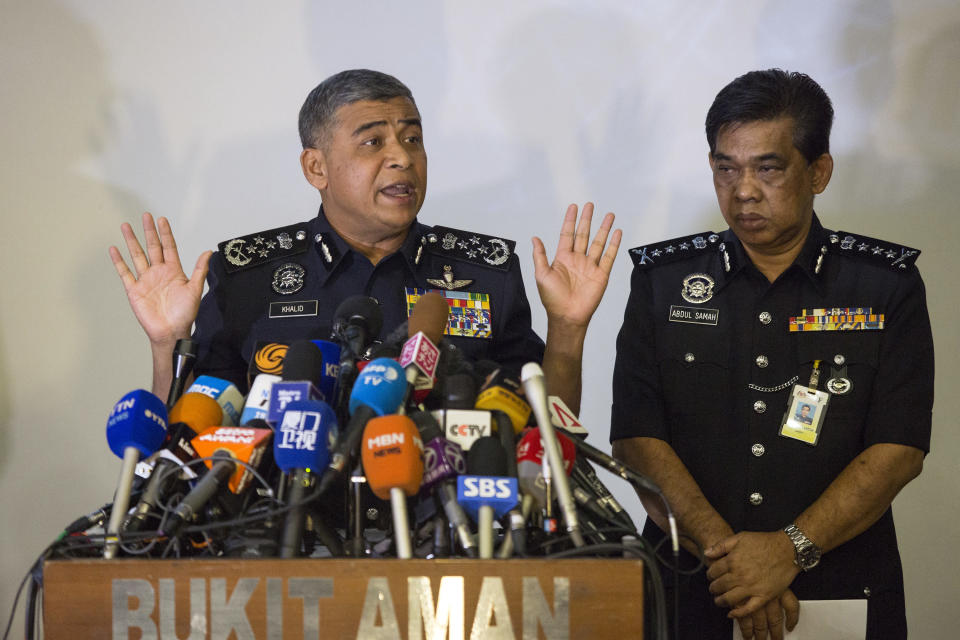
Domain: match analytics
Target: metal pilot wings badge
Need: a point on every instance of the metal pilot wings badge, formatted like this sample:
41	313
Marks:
448	281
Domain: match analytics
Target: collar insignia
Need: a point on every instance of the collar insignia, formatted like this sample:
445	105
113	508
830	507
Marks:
697	288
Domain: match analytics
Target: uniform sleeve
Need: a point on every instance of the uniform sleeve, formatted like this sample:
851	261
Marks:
218	350
517	343
637	400
901	405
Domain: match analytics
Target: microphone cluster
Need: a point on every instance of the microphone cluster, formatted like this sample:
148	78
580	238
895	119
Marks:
357	448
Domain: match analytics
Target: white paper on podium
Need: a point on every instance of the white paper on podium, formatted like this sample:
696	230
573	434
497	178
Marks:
834	619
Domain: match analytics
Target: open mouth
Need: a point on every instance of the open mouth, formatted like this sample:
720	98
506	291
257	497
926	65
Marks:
399	190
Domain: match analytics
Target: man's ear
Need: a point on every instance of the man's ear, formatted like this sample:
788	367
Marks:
822	169
314	165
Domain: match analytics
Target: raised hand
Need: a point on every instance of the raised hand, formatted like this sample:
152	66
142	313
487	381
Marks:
572	286
163	299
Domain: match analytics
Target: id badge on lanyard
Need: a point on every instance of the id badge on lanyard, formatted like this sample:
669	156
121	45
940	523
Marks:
806	410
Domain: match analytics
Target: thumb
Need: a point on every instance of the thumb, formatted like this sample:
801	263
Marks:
721	548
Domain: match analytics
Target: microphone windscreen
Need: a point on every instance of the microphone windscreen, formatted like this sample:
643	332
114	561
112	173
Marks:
430	315
360	308
258	400
392	455
196	410
501	398
459	391
530	449
304	361
381	386
246	444
139	419
487	458
224	392
304	436
427	425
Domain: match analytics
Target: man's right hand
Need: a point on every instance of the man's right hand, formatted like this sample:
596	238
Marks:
163	299
768	621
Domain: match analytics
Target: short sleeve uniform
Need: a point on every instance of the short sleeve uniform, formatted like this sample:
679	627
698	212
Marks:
285	284
707	357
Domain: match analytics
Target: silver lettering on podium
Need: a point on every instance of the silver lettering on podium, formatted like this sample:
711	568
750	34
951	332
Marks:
274	608
425	622
167	616
378	604
492	603
138	618
228	615
311	590
556	626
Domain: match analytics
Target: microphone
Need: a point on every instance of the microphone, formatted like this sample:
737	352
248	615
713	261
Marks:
137	426
302	447
486	493
191	414
302	367
225	445
378	391
443	461
420	354
184	357
331	368
536	392
356	322
224	392
257	405
392	457
503	394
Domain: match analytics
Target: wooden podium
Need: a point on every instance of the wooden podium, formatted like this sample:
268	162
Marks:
325	598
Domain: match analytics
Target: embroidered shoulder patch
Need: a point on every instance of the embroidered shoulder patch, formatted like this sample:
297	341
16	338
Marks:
895	256
672	250
257	248
476	248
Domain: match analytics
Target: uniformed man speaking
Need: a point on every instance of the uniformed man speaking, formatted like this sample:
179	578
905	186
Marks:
363	150
728	336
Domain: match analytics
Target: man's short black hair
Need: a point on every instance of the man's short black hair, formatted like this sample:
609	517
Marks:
317	115
772	94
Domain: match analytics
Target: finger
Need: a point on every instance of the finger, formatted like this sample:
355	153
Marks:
567	230
722	584
152	239
167	242
746	627
540	262
722	548
610	255
745	608
791	607
759	624
200	272
137	257
774	616
600	240
582	237
126	277
718	568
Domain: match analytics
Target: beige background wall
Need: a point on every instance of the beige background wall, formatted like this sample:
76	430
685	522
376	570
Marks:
189	110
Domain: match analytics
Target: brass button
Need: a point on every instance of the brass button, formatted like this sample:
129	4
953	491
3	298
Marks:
757	450
759	406
756	498
689	357
766	318
762	361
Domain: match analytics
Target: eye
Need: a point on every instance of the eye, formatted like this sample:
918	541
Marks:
371	142
414	139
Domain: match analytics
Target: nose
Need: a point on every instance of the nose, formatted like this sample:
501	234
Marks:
748	187
397	156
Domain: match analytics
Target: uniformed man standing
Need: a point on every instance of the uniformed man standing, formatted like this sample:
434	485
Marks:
363	150
775	313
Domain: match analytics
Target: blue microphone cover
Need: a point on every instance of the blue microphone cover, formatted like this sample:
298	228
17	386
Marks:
381	386
138	420
304	435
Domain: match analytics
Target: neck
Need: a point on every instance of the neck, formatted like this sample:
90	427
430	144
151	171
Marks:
772	264
374	247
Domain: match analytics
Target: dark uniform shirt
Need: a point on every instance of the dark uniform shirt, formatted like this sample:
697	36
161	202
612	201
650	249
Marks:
706	361
286	284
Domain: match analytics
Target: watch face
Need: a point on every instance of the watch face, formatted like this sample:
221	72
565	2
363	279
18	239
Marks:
808	557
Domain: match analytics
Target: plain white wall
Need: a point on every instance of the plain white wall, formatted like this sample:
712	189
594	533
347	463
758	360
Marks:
189	110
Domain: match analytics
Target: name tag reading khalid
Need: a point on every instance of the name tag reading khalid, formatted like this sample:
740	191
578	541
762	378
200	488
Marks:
470	315
694	315
293	309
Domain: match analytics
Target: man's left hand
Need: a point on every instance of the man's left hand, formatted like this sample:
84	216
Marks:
750	568
572	286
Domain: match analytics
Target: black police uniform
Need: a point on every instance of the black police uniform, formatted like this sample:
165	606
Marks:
706	361
285	284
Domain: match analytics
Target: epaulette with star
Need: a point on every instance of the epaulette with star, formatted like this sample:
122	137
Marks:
257	248
487	251
895	256
669	251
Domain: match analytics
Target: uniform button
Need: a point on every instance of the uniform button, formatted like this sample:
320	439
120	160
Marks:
318	238
766	318
689	357
759	406
762	361
866	591
757	450
756	499
301	235
839	359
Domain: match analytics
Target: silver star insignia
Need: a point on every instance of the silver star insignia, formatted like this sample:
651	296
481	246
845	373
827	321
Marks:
684	246
263	254
863	246
474	240
471	254
877	250
890	254
461	245
271	244
258	239
656	253
670	249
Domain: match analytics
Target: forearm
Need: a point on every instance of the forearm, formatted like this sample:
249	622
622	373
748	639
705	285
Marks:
860	494
563	361
695	516
162	353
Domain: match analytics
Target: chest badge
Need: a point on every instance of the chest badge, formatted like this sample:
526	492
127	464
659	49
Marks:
697	288
448	281
288	278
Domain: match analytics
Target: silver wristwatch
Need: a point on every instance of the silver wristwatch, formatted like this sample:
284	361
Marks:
806	553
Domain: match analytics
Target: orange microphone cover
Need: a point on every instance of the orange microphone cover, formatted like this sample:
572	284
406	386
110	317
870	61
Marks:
392	454
245	444
197	410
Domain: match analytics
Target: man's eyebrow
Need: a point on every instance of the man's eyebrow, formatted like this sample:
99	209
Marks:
379	123
761	158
